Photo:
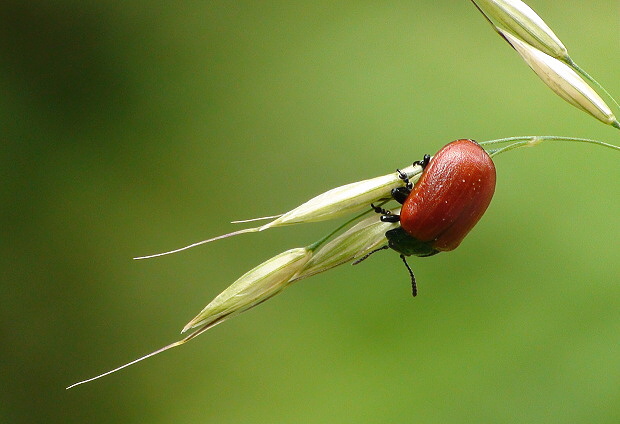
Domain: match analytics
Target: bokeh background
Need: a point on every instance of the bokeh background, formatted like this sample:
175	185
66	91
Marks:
130	128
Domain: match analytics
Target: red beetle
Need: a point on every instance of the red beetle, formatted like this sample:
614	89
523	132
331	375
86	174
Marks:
451	196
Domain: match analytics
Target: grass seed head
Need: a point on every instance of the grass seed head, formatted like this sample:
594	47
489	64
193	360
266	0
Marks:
345	199
358	240
518	18
253	287
563	80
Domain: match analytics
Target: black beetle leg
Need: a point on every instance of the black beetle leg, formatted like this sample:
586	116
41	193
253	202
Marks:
390	218
423	162
405	179
379	209
400	194
386	216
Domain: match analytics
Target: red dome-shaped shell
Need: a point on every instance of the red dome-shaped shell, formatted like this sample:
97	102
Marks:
451	196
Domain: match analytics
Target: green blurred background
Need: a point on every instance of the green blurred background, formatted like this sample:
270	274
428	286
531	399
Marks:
130	128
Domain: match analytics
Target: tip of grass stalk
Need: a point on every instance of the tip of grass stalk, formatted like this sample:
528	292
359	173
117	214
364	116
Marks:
262	218
234	233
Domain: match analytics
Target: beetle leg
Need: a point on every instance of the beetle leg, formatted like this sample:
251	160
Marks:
405	179
390	218
386	216
423	162
400	194
379	209
414	288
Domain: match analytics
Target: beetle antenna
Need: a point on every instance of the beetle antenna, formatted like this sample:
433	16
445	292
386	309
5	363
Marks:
369	253
414	288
